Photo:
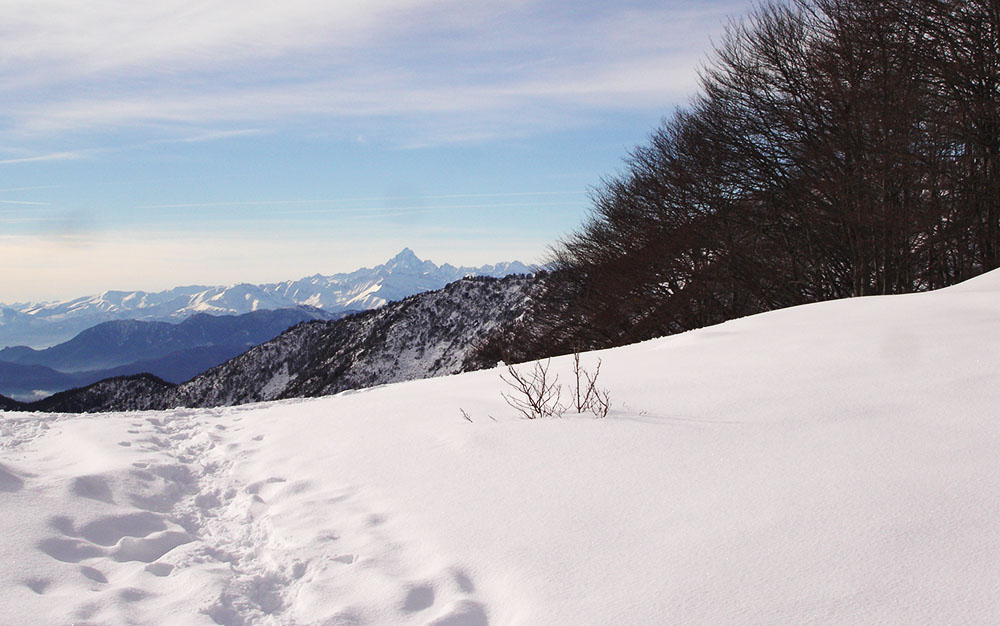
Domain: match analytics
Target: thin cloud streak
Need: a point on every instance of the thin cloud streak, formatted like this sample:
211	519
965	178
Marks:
28	220
206	205
424	208
238	203
215	135
540	102
29	188
55	156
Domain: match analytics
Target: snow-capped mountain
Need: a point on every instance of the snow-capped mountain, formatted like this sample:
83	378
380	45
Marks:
42	325
428	334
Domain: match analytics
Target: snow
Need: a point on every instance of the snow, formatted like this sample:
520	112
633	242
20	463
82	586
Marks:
277	383
835	463
366	298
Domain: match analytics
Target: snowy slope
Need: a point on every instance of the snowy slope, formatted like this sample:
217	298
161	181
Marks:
45	324
835	463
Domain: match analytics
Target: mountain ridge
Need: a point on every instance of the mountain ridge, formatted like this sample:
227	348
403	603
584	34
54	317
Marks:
428	334
121	342
175	352
45	324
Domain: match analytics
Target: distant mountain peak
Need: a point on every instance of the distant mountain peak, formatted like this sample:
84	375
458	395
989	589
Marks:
403	275
405	253
405	259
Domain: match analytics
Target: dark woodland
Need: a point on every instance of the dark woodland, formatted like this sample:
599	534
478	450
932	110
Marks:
836	148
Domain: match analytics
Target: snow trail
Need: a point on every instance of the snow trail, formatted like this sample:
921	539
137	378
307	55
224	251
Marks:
178	529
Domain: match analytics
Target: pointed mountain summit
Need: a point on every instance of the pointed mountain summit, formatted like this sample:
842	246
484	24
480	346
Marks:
405	258
406	274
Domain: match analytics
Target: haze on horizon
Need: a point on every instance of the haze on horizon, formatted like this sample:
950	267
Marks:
148	146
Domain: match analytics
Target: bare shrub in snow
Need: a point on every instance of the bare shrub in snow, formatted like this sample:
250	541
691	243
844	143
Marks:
534	393
600	404
587	396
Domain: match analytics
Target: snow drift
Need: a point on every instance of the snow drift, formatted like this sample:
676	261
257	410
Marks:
835	463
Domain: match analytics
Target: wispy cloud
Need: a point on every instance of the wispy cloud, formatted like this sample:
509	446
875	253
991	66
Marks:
53	156
28	220
216	135
29	188
443	70
429	208
225	204
24	202
354	199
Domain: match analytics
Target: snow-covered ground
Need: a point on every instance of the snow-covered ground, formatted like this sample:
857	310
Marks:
835	463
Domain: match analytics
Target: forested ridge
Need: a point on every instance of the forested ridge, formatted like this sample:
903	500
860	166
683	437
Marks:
836	148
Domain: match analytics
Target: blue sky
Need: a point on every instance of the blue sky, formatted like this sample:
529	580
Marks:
147	145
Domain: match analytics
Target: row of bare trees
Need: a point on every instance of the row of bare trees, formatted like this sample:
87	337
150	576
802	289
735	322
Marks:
836	148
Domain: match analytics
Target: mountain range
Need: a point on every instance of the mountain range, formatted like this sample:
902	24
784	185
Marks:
430	334
173	352
45	324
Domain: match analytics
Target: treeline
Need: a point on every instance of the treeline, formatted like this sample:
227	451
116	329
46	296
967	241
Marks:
837	148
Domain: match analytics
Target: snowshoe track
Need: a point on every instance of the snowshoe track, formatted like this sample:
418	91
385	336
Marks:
274	551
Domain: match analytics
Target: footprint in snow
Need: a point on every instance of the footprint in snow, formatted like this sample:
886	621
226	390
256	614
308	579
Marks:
69	550
462	613
107	531
93	574
92	487
131	594
38	585
418	598
9	481
63	524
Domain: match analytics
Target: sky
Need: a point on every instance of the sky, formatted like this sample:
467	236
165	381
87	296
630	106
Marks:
148	145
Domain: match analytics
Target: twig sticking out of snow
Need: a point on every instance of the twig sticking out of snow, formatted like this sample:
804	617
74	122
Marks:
587	396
